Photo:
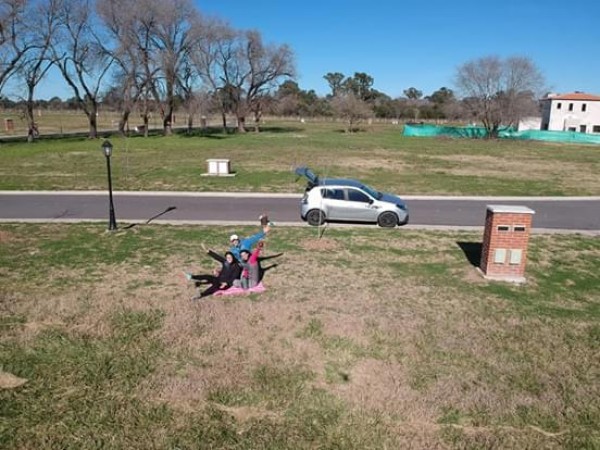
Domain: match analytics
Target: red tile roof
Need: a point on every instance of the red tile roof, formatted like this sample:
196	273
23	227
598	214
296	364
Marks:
576	96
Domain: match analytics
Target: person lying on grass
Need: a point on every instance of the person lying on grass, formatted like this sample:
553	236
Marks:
222	278
237	244
250	276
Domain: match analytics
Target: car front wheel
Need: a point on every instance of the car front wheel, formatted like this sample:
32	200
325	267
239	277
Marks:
387	220
315	217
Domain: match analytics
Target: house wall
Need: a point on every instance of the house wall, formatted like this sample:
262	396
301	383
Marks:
563	119
529	123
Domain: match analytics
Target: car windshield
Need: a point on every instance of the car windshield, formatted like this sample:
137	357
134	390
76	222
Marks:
372	192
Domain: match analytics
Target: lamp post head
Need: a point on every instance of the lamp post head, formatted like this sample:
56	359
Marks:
107	148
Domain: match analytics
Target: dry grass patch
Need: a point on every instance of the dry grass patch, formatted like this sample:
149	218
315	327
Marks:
10	381
319	244
353	327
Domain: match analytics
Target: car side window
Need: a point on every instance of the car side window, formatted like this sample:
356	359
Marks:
334	194
355	195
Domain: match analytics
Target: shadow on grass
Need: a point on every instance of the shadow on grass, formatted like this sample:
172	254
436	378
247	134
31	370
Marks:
208	132
220	133
350	132
472	251
279	129
169	209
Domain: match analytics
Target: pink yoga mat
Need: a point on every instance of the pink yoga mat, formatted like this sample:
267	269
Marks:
238	290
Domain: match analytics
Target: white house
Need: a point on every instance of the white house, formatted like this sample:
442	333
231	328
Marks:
576	111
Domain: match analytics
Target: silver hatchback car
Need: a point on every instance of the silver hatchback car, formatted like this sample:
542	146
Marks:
338	199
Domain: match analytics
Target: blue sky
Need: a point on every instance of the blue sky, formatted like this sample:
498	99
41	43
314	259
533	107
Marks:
419	43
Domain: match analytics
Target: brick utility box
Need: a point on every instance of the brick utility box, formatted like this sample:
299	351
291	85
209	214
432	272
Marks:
505	239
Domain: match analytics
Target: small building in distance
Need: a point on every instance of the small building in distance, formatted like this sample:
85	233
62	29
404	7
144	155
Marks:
529	123
576	111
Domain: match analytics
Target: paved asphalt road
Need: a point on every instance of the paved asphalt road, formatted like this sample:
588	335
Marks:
568	214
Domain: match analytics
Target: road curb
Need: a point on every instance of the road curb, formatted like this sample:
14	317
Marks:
291	195
141	222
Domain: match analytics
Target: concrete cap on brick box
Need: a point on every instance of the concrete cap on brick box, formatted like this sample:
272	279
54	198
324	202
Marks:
510	209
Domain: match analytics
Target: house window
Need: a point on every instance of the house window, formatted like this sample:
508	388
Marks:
583	107
572	129
558	105
596	129
570	106
504	228
582	128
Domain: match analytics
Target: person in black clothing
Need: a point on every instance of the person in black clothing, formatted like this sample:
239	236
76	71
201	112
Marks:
222	277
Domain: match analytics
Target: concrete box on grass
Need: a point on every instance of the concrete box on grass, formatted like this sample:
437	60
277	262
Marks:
505	241
219	168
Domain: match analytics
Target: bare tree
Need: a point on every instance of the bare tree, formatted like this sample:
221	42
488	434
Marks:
38	60
15	38
126	49
172	25
350	108
80	56
267	65
499	91
242	68
193	100
215	49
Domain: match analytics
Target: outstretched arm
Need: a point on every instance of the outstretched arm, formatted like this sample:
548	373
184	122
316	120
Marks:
216	256
254	256
249	242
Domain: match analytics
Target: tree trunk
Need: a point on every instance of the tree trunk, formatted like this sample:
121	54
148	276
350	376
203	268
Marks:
168	117
167	123
241	124
146	123
493	133
31	127
224	117
190	123
123	122
257	117
93	120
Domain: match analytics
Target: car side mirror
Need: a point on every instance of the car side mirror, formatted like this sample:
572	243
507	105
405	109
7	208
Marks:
371	201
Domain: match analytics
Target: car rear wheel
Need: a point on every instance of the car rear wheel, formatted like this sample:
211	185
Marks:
315	217
387	220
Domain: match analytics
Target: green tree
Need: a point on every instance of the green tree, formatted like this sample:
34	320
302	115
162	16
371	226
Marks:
335	80
413	93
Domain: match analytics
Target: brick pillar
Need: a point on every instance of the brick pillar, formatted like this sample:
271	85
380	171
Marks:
505	240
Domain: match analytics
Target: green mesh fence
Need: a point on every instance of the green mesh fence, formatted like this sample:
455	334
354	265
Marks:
506	133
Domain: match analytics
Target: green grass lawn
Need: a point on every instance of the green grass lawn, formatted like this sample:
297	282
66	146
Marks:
365	338
378	155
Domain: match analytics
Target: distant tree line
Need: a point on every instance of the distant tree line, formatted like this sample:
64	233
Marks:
145	57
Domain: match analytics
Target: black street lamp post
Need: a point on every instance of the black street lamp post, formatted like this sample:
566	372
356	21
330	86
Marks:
107	149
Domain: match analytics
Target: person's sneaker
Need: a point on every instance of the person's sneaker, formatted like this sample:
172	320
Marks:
188	276
196	297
